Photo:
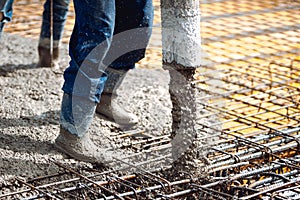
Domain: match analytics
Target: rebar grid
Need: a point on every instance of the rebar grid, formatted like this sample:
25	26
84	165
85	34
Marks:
255	157
258	166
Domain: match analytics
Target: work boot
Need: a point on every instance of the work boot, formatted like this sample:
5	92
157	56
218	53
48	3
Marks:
83	148
45	54
75	119
108	106
110	109
45	57
76	115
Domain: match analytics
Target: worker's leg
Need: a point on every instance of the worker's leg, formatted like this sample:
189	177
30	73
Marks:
1	24
134	19
84	78
5	12
131	36
60	10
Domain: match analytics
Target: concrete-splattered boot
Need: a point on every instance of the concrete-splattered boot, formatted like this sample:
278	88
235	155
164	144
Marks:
45	58
75	118
83	148
108	106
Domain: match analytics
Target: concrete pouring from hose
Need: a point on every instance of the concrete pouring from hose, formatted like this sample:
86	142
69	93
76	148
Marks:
181	44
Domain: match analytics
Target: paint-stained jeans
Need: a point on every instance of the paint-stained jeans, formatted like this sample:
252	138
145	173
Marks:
7	10
107	33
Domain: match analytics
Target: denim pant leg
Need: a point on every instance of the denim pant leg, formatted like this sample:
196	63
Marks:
133	27
7	10
60	10
1	28
85	77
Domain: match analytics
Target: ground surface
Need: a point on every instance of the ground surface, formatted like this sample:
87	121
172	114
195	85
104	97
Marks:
30	104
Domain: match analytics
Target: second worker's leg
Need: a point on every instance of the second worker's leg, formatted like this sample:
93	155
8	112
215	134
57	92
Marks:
5	13
131	36
108	106
1	23
60	10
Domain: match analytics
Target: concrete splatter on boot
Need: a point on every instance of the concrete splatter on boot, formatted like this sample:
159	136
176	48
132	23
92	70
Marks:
110	109
108	106
45	58
75	118
83	148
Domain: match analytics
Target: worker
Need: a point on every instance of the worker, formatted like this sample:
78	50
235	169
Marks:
59	15
5	12
108	38
60	9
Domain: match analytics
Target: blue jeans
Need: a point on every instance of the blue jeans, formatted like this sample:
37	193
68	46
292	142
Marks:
60	10
107	33
111	33
7	10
